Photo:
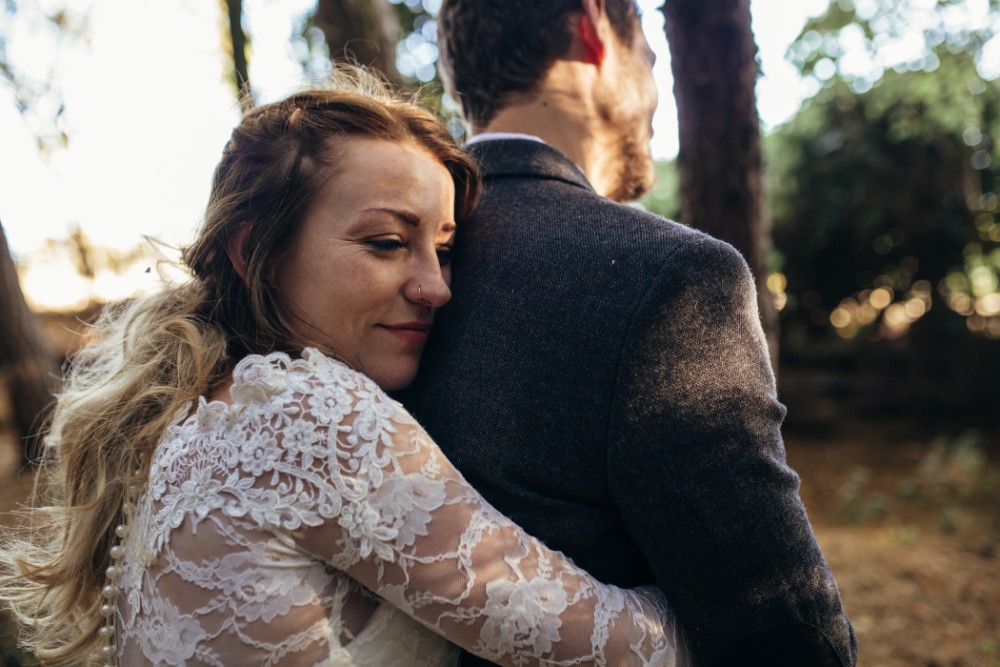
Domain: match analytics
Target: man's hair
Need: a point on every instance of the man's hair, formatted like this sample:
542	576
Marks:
492	50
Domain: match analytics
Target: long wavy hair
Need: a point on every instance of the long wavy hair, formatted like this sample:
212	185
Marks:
150	357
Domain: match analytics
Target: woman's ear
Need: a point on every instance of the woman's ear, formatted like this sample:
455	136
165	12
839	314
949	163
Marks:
235	247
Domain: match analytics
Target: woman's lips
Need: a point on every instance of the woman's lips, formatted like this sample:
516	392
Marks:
414	333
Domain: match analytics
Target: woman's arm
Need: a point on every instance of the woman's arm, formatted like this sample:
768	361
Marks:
369	492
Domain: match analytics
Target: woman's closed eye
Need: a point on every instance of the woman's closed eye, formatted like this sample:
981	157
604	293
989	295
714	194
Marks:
386	244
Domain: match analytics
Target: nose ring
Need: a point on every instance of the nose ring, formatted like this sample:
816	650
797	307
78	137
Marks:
420	295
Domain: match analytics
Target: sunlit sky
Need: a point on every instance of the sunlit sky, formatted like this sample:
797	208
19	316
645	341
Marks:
148	109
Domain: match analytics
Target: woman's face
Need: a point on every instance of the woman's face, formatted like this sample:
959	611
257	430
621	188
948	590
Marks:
371	263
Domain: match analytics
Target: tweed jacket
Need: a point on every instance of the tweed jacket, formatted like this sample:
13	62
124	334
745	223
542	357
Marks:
601	377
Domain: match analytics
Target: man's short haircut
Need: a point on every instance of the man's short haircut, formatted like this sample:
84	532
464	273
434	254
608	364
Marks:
492	50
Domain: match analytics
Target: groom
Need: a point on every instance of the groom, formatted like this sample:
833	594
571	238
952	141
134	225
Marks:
600	374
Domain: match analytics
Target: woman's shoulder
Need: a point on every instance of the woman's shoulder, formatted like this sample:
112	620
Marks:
291	422
312	387
278	387
265	378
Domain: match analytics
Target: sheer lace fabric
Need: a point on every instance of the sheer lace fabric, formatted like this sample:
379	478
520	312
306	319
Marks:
267	524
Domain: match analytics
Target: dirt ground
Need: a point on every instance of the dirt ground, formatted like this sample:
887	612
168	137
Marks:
908	516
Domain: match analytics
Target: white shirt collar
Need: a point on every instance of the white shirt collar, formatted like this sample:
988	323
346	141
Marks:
494	136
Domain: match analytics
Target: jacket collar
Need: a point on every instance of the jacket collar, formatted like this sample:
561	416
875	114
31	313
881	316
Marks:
500	158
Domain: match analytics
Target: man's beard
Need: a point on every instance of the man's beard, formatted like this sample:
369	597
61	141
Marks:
636	169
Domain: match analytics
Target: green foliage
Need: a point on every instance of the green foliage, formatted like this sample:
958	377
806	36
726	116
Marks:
310	49
664	198
36	92
956	468
416	54
859	39
949	487
417	57
887	222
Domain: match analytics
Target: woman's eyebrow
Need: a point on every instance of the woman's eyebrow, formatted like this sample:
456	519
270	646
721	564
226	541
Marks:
405	216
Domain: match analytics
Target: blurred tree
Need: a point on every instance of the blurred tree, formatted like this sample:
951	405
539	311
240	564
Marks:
238	43
414	52
885	196
362	31
30	369
60	28
714	62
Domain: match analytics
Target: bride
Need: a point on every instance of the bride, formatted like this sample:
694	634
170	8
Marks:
230	483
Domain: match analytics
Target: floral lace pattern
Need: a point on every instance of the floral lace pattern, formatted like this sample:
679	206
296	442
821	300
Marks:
267	524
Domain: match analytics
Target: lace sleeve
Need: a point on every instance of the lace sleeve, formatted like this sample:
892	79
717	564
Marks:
362	487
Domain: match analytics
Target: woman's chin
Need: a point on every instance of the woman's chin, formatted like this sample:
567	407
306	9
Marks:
395	379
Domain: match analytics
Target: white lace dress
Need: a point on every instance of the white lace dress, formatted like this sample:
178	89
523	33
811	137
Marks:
269	525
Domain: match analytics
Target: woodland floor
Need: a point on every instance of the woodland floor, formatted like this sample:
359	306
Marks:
908	516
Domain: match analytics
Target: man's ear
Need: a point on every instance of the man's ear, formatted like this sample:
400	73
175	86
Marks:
235	247
590	35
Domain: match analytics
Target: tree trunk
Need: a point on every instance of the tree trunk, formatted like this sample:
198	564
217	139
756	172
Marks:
714	63
241	66
29	366
365	31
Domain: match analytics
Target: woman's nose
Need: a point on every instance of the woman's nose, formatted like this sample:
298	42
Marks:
430	288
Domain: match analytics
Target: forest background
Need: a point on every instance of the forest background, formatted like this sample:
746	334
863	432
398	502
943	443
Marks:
868	205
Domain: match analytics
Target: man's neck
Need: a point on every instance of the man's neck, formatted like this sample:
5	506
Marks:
563	118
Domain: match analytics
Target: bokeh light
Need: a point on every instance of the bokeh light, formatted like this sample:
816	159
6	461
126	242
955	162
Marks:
777	283
973	290
887	312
